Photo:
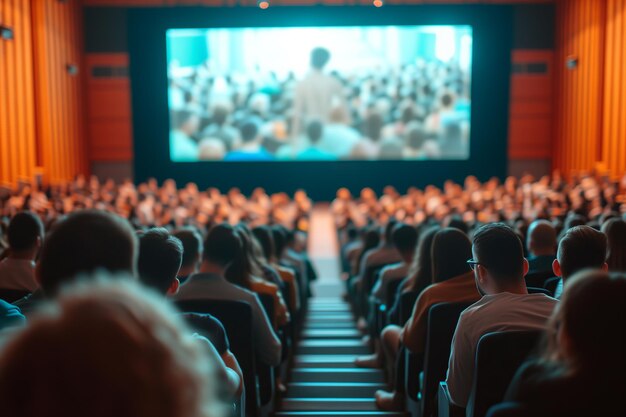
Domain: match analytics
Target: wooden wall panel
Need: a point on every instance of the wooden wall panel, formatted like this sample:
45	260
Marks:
58	40
17	106
579	92
614	132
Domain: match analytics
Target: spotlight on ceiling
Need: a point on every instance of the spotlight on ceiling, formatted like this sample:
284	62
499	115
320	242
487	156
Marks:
263	4
378	3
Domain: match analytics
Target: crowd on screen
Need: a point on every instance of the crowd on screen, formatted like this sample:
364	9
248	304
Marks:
92	333
418	111
486	247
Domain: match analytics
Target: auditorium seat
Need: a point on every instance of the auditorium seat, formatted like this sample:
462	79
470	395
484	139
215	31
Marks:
509	409
498	356
537	279
236	316
537	290
407	302
421	387
551	285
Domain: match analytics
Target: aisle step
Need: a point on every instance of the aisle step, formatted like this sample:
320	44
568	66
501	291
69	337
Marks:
325	324
337	375
329	404
333	389
332	347
339	414
331	333
324	361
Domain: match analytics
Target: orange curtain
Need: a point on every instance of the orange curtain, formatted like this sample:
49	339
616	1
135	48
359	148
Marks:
40	102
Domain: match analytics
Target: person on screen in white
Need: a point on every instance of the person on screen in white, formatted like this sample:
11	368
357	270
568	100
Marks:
314	132
183	148
499	269
317	93
251	148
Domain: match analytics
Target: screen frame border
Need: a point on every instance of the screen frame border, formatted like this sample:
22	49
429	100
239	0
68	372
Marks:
491	64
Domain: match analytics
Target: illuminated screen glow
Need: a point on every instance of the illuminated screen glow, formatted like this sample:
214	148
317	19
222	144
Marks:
319	93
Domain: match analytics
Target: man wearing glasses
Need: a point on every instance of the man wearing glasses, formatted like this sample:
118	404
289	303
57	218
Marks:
499	269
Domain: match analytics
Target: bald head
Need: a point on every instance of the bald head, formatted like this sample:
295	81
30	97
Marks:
541	238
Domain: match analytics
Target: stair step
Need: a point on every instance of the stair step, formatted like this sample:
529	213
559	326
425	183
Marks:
329	307
339	414
329	404
332	346
331	334
325	324
337	375
324	361
330	315
333	389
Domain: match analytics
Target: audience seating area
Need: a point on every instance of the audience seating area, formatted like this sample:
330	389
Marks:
477	299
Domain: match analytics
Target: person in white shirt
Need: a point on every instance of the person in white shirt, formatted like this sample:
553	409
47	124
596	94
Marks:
25	235
499	269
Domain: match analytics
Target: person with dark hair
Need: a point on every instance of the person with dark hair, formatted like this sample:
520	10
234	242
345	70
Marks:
251	148
453	281
385	253
192	252
25	235
541	244
581	247
160	256
221	248
183	148
499	269
317	93
615	231
404	240
221	129
368	147
582	371
314	133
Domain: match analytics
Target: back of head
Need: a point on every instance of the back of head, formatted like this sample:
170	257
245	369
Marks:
222	245
373	126
263	235
456	222
82	243
450	251
615	230
192	245
249	131
581	247
404	238
591	314
421	271
319	58
499	250
541	237
279	235
220	114
160	256
24	231
388	232
314	131
106	349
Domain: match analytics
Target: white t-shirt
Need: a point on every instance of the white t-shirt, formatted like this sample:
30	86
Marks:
492	313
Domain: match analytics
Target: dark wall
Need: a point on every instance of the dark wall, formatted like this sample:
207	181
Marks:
498	29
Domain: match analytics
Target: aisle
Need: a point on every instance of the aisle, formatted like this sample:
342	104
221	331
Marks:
324	381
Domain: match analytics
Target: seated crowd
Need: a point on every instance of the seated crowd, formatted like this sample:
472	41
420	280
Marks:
532	259
94	303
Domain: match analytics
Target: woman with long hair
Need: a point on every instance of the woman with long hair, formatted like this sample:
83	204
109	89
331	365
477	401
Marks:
582	371
245	272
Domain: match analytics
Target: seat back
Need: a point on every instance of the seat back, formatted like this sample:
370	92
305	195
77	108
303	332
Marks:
442	320
10	296
537	290
509	409
551	284
536	279
407	301
392	291
367	282
236	316
498	356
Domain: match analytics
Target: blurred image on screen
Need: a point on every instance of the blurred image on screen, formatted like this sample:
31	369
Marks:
319	93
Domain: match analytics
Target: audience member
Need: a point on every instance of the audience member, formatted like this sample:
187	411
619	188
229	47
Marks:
107	348
580	247
25	235
160	256
314	133
541	243
582	372
615	230
251	148
221	247
499	268
192	252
